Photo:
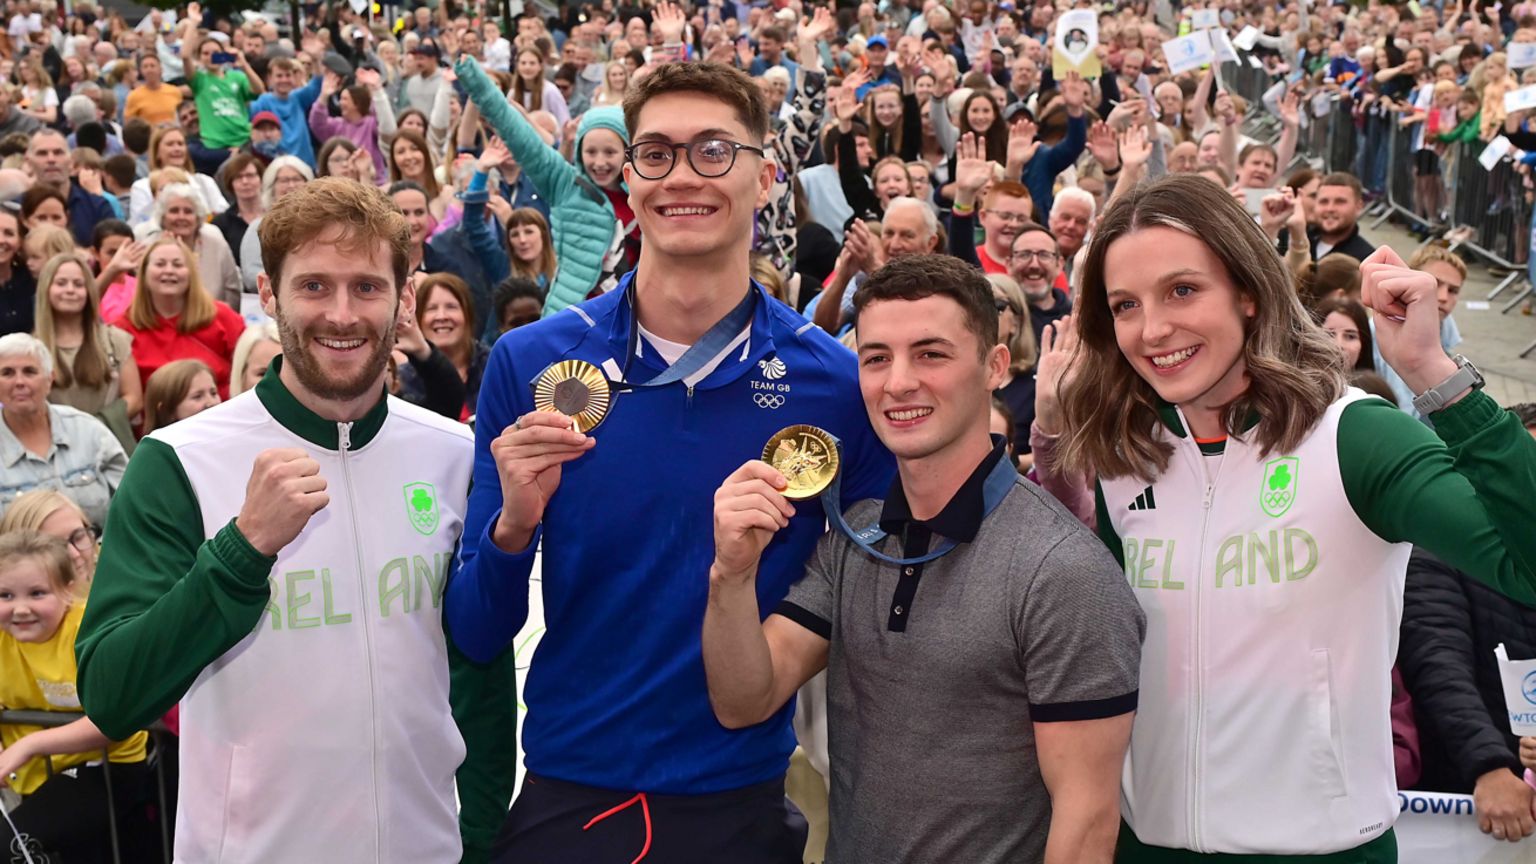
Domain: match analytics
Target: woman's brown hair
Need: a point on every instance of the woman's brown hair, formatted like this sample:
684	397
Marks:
91	368
884	140
429	170
546	264
167	388
154	148
1294	370
199	310
532	99
460	291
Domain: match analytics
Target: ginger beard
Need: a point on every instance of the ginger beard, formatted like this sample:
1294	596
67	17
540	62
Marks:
312	373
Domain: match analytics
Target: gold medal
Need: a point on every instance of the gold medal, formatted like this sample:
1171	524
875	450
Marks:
576	389
806	456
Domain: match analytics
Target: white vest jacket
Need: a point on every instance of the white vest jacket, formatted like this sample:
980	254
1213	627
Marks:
325	735
1272	624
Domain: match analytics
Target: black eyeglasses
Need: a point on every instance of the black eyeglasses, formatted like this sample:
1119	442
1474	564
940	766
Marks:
712	157
83	539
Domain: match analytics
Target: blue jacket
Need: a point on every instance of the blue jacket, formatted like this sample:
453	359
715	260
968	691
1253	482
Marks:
581	221
85	210
1052	159
294	114
617	699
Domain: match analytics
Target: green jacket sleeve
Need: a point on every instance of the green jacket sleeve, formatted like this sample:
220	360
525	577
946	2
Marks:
552	176
1105	528
484	701
165	601
1465	495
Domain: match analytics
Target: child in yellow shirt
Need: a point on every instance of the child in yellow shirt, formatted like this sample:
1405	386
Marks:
56	771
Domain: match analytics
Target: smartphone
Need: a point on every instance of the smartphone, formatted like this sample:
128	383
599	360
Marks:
224	58
1253	199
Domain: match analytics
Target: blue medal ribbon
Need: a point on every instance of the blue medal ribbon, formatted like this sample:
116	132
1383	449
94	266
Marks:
998	483
699	354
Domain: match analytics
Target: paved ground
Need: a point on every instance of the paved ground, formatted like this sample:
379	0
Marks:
1491	340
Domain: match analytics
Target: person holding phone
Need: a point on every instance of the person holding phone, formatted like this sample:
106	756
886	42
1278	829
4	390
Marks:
221	94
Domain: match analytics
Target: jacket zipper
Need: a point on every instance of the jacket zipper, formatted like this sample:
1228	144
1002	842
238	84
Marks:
344	440
1208	483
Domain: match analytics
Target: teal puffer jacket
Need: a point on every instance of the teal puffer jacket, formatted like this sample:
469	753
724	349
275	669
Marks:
581	220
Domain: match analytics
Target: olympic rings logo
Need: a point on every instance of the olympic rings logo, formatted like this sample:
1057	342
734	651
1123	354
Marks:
768	400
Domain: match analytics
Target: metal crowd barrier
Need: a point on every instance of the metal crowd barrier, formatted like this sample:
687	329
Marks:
157	733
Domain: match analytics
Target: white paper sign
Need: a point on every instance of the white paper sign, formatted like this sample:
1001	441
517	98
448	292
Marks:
1203	19
1494	152
1255	62
1523	99
1521	54
1248	38
1519	678
1193	51
1223	46
358	5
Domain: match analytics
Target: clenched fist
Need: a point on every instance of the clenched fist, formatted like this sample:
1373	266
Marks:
284	491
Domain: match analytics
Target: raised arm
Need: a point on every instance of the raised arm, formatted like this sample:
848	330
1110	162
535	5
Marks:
188	47
551	175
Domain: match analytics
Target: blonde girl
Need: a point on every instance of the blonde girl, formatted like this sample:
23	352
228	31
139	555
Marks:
40	614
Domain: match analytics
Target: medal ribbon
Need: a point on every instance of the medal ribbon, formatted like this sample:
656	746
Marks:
1001	479
698	355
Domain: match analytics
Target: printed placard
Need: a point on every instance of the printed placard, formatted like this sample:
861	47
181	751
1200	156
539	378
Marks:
1523	99
1191	52
1521	55
1077	38
1519	677
1248	38
1204	19
1494	152
1225	52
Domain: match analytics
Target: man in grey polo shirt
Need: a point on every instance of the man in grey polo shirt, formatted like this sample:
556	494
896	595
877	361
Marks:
980	702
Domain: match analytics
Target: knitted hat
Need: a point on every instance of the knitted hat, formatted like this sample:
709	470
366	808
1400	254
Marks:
609	117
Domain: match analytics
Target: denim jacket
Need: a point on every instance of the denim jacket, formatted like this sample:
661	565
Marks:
86	462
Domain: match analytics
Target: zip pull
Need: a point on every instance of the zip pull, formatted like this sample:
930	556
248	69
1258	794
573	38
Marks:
344	435
690	396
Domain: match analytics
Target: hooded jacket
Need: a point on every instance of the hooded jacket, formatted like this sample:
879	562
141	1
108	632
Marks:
581	221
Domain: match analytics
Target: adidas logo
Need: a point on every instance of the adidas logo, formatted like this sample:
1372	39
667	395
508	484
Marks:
1144	501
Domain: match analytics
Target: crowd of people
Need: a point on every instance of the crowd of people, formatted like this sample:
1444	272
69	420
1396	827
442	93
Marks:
1153	474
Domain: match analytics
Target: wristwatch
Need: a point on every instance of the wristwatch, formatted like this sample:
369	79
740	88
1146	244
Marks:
1466	377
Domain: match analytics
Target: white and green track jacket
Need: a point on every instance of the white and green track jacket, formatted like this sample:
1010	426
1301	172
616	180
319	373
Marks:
1273	588
315	724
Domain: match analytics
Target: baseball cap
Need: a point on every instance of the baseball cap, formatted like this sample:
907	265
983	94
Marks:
265	117
336	63
879	40
427	49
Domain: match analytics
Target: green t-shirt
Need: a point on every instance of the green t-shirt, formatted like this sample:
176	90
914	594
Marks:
221	108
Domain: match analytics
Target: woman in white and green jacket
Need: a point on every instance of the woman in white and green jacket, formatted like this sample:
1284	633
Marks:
1264	512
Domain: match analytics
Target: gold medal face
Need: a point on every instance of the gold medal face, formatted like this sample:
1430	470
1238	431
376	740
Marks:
576	389
806	456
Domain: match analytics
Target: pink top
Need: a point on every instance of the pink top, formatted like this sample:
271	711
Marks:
117	298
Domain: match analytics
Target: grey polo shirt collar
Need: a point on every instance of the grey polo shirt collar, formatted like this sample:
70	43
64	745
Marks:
960	519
